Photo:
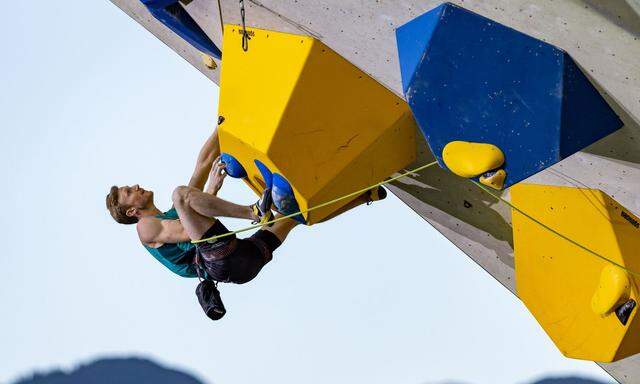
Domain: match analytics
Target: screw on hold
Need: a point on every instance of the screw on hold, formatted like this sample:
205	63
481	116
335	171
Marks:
467	204
220	119
623	312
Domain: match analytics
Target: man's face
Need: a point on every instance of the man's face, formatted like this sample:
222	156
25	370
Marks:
135	197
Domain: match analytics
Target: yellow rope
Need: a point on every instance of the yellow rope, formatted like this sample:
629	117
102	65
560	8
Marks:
356	193
490	192
405	174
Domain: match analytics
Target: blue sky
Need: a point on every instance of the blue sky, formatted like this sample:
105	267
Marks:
90	99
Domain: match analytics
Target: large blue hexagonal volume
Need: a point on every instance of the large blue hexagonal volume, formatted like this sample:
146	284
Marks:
467	77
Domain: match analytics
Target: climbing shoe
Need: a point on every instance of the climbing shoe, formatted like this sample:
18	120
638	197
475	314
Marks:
262	208
375	194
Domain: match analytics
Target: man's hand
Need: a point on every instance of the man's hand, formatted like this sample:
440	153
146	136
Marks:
216	176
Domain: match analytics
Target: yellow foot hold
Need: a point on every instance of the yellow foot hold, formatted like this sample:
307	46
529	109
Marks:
495	179
613	289
209	62
467	159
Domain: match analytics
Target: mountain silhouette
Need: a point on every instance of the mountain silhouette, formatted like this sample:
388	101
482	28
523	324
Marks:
568	380
136	370
112	371
555	380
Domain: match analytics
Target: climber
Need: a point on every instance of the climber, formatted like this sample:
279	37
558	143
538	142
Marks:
167	235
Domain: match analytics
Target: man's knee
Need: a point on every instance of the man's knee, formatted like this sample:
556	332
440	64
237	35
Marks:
180	196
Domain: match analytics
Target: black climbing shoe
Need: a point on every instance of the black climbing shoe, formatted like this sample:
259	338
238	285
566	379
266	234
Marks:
624	311
262	208
375	194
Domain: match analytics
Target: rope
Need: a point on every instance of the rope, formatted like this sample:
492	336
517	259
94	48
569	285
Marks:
221	21
352	194
245	34
405	174
490	192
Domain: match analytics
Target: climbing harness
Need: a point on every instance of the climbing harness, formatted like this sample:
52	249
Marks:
604	258
245	34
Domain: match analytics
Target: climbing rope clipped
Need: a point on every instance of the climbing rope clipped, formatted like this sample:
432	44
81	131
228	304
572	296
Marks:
352	194
221	19
546	227
245	34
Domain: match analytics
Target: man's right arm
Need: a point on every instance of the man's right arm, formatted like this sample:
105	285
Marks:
209	152
155	231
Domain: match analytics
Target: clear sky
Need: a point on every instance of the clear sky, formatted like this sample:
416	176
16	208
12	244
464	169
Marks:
90	99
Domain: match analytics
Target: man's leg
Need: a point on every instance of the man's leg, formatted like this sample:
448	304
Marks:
197	210
281	228
211	206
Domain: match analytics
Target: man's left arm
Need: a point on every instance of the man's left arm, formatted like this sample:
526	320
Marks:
209	152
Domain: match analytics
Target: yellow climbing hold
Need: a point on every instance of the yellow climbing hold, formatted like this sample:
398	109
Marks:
613	289
468	159
209	62
495	181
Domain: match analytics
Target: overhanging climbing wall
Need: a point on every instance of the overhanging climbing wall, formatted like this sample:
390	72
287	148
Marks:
604	41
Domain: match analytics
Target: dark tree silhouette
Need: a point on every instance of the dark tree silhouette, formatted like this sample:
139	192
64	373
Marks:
567	380
112	371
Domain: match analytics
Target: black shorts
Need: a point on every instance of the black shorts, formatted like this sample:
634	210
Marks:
234	260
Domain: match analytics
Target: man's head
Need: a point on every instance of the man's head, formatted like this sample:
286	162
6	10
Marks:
127	204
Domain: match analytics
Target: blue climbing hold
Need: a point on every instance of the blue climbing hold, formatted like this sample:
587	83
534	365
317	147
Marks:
267	176
469	78
284	199
233	166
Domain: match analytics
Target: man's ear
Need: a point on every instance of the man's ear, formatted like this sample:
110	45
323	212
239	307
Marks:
132	212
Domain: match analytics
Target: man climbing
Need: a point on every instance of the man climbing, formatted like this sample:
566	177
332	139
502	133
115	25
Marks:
167	235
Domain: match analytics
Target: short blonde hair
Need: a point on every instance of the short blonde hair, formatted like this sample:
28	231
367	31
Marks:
118	211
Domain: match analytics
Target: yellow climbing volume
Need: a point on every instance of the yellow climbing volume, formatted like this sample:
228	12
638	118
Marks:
310	116
578	298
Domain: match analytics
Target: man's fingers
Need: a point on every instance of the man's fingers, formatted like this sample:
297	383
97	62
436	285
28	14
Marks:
217	166
218	169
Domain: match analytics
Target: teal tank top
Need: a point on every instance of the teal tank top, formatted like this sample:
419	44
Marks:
177	257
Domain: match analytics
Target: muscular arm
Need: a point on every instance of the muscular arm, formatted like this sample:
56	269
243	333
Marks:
155	231
209	152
